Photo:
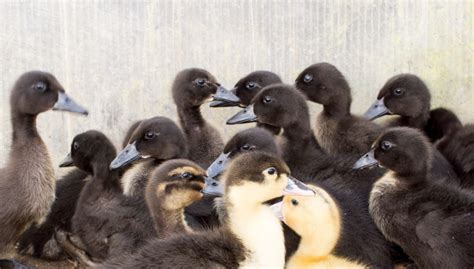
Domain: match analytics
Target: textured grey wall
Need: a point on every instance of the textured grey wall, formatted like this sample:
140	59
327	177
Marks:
119	58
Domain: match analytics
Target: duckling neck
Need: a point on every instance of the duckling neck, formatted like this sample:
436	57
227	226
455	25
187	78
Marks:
168	222
316	248
24	127
190	117
339	107
109	179
300	133
259	230
415	122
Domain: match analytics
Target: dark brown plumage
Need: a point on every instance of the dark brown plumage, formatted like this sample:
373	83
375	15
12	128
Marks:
27	183
337	130
190	89
102	205
458	148
433	222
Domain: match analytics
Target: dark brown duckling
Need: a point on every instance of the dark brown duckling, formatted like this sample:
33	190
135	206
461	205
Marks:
337	130
39	241
282	105
407	96
151	142
27	183
432	222
245	89
102	204
252	236
191	88
172	187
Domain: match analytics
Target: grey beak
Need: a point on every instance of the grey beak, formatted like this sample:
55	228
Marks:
65	103
224	95
67	162
296	187
218	165
128	155
244	116
376	110
365	161
212	187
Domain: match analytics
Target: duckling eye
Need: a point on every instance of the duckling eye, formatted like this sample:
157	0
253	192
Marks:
386	145
75	145
246	147
186	175
398	91
307	78
200	82
41	86
267	99
251	85
294	202
150	135
271	171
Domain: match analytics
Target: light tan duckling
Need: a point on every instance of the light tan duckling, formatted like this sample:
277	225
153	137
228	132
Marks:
317	220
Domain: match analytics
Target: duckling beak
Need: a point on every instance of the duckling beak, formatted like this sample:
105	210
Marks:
224	98
218	165
212	187
67	162
276	208
244	116
376	110
296	187
126	156
368	160
65	103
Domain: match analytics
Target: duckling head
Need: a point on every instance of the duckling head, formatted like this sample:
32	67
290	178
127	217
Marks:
323	83
175	184
315	218
158	138
193	86
278	105
253	139
90	150
405	95
36	92
247	87
405	151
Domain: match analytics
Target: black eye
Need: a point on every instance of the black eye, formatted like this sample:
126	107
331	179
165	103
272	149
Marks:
150	135
307	78
398	91
186	175
75	145
251	85
386	145
245	147
271	171
200	82
294	202
41	86
267	99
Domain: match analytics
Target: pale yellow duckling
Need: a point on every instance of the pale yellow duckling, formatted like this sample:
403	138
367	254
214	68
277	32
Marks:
317	220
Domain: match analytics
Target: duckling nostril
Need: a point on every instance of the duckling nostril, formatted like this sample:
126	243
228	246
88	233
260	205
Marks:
214	184
220	162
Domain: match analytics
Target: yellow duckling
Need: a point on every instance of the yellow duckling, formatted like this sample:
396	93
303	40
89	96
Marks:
317	220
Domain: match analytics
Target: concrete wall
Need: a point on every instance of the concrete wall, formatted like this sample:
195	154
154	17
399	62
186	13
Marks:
119	58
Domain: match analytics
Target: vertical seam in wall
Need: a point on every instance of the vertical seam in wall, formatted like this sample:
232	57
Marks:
64	25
